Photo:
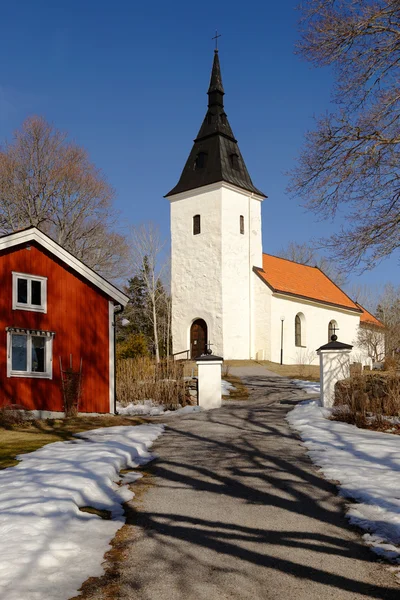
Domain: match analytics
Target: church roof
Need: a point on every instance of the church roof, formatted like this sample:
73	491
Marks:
215	155
368	318
294	279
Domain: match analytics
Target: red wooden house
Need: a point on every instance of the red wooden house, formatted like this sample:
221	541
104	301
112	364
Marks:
51	306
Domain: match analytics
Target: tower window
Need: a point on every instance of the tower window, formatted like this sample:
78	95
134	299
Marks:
210	118
223	118
196	224
201	160
242	224
234	158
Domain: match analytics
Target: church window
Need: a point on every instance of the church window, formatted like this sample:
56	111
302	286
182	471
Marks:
210	118
299	330
196	224
234	158
201	160
332	329
223	118
242	224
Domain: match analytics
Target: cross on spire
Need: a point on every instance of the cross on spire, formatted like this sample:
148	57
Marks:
216	36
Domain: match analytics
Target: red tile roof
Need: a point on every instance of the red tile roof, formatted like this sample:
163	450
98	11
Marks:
368	318
294	279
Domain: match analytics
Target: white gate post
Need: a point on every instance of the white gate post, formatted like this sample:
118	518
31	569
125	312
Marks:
334	365
209	381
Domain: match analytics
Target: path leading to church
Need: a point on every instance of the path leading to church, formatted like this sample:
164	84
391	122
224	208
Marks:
234	509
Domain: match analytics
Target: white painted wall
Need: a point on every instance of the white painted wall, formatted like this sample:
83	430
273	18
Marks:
211	272
196	266
314	329
262	317
239	252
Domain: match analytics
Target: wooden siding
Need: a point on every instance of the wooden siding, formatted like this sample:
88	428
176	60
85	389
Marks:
78	314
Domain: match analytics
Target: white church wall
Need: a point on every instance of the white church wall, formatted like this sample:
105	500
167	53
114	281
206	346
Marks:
262	317
196	266
315	321
238	252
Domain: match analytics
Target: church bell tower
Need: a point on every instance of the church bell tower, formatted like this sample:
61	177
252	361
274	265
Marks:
215	240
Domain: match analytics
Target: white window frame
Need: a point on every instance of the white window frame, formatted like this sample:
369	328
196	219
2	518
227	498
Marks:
29	306
48	374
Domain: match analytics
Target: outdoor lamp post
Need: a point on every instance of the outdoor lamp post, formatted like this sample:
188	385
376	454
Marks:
282	319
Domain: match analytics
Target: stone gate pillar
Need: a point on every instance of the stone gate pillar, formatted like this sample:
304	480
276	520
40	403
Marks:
334	365
209	381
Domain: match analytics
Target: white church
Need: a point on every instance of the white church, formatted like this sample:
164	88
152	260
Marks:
227	294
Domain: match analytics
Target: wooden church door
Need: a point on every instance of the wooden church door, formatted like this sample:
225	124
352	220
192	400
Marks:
198	338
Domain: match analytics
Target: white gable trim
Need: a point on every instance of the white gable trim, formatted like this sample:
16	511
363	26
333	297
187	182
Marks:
34	235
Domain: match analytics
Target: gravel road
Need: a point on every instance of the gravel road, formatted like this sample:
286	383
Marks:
233	508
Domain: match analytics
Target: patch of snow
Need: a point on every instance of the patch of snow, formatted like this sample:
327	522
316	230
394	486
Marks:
226	387
48	547
148	408
309	386
367	465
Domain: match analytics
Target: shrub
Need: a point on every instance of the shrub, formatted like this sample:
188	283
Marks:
134	346
390	363
12	415
142	379
367	395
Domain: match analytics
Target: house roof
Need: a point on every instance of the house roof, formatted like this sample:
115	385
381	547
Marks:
367	318
32	234
294	279
215	155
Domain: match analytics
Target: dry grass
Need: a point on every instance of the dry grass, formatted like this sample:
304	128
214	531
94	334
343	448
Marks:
142	379
240	393
306	372
33	435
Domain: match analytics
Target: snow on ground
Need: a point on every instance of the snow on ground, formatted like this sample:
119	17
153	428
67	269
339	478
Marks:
226	387
366	464
309	386
151	409
148	408
48	547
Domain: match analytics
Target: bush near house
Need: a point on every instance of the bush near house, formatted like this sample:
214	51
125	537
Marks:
143	379
368	397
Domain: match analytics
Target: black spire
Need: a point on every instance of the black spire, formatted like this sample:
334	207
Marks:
215	155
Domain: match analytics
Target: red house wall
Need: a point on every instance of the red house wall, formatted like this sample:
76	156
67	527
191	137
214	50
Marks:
77	312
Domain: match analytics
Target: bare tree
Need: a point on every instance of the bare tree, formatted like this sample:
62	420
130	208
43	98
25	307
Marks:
351	159
48	182
365	294
371	339
306	255
146	250
388	311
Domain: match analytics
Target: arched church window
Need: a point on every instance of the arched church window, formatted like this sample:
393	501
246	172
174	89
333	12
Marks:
297	330
242	224
201	160
332	329
234	158
196	224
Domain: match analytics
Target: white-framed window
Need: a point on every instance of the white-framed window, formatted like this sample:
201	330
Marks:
29	353
29	292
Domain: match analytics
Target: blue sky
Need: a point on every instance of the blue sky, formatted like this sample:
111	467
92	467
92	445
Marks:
128	81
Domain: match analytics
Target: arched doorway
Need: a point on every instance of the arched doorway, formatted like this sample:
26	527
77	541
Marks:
198	338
